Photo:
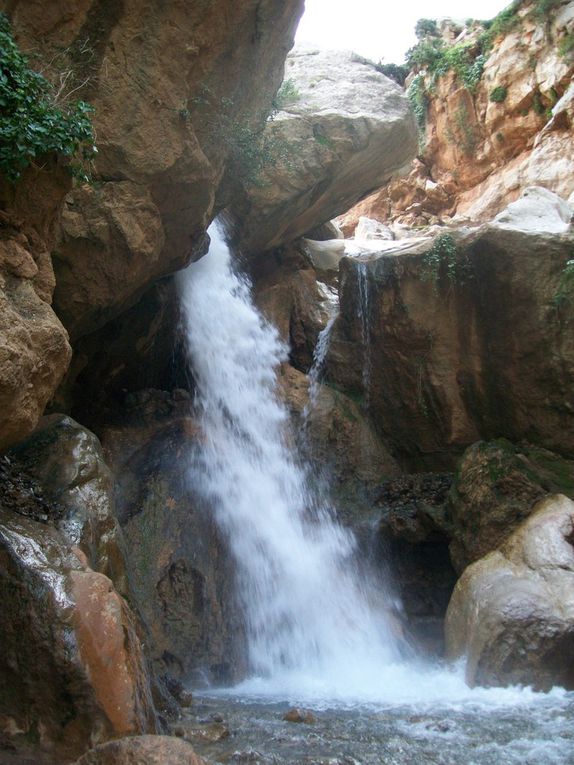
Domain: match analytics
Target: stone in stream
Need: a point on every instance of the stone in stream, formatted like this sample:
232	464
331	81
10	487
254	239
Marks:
142	750
512	612
297	715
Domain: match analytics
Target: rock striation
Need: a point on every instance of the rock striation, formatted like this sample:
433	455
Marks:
344	129
512	612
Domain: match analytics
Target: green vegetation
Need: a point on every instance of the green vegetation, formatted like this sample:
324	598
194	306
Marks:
444	261
396	72
426	28
564	294
543	8
432	54
418	98
501	24
287	94
498	94
566	45
35	120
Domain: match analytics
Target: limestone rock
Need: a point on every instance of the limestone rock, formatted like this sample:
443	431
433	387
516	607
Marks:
367	228
67	462
512	612
142	750
455	359
537	210
345	130
72	669
495	488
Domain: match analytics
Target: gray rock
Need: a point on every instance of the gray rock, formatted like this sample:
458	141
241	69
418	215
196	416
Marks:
512	612
538	209
345	131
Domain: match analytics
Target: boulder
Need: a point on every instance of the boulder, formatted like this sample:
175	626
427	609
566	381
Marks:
142	750
512	612
66	461
496	487
537	210
344	130
72	668
368	228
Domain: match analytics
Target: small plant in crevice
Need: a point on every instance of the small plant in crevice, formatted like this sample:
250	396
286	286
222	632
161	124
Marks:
498	94
35	119
564	294
444	262
287	94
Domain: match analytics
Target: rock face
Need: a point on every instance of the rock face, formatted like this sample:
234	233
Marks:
72	667
179	567
344	130
484	146
512	612
495	488
168	128
34	348
455	352
66	460
142	750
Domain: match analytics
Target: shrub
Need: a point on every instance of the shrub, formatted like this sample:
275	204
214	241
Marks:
396	72
32	122
287	94
443	260
498	94
418	99
426	28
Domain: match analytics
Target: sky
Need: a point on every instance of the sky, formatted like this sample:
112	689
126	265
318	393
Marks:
381	29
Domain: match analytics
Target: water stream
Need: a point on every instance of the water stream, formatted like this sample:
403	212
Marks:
318	633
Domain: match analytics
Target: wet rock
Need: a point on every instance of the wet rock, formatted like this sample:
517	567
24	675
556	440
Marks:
347	131
298	715
142	750
179	567
210	732
464	377
66	461
496	487
512	612
72	668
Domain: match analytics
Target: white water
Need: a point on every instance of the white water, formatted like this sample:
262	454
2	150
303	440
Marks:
317	634
308	614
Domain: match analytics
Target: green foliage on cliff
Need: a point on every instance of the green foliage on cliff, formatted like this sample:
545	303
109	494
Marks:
287	94
565	291
498	94
32	120
418	99
436	58
444	261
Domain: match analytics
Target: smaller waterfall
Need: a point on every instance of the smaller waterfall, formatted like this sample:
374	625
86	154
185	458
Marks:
318	367
363	312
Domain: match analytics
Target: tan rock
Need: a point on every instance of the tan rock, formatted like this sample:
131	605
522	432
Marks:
142	750
512	612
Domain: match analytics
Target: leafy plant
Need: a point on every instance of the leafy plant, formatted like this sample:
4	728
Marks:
418	99
542	8
426	28
566	45
443	260
396	72
32	120
287	94
565	291
501	24
498	94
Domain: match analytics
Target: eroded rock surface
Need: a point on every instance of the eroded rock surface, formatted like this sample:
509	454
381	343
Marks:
345	130
456	352
512	612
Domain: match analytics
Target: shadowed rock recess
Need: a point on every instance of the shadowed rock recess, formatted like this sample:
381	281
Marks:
427	373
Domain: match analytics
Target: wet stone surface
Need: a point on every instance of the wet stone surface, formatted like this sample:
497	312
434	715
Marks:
526	733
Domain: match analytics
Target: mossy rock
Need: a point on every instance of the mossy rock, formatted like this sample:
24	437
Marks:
496	485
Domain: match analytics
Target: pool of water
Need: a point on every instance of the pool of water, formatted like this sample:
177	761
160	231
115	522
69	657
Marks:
452	726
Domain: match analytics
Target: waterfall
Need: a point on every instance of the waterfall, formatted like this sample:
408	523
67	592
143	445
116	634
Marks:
363	313
308	613
318	366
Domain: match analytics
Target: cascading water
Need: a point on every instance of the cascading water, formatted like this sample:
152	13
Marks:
308	614
363	313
